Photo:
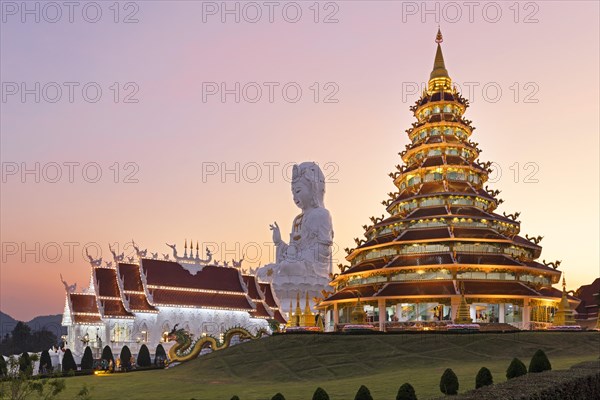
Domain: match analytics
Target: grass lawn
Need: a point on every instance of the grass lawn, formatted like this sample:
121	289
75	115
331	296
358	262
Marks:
296	364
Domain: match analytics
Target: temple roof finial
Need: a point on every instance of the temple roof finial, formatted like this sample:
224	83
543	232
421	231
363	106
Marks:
439	67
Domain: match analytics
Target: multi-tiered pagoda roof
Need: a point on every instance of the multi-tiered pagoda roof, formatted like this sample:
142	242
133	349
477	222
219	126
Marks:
442	226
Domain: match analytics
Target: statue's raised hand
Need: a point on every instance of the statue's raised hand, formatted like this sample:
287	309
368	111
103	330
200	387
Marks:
276	233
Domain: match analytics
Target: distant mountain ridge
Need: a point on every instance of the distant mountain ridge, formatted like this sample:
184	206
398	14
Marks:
51	323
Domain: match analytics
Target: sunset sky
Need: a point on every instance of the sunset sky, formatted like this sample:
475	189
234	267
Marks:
530	72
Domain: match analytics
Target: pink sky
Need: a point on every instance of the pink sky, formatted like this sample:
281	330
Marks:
546	120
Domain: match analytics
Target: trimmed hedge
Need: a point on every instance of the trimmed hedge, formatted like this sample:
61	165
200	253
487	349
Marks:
159	355
539	362
449	382
87	361
483	378
107	354
235	398
68	362
125	358
515	369
320	394
580	382
406	392
3	366
278	396
45	362
363	394
25	363
143	358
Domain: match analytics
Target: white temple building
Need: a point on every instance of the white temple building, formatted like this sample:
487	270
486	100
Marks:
140	302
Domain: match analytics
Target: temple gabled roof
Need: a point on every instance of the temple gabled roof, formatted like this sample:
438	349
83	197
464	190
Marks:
84	308
210	278
254	292
133	288
109	294
272	301
168	283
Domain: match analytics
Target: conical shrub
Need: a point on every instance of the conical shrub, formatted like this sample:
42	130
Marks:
406	392
68	363
539	362
516	368
125	358
143	358
483	378
449	382
320	394
159	355
87	361
25	363
363	394
45	363
278	396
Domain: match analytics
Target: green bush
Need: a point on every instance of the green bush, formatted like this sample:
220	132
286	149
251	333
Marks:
278	396
25	363
143	358
45	363
235	398
3	367
107	354
87	361
516	368
483	378
125	358
68	363
159	355
363	394
577	383
539	362
406	392
449	382
320	394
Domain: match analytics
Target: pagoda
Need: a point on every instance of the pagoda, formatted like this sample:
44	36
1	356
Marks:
442	240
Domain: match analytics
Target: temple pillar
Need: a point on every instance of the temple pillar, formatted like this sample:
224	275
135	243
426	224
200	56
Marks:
472	312
501	313
382	314
327	319
336	316
454	303
526	314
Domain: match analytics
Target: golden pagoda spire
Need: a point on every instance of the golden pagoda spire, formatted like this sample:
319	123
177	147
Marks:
307	309
463	314
439	78
564	315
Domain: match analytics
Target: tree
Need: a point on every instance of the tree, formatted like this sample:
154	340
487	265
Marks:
363	393
25	363
20	335
278	396
45	362
235	398
87	361
515	369
68	363
449	382
320	394
160	356
3	367
125	358
539	362
143	359
107	354
406	392
483	378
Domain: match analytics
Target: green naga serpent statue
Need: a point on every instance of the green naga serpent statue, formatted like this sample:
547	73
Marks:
186	348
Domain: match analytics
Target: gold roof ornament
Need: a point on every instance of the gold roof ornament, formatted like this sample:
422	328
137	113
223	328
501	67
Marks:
439	78
463	314
564	315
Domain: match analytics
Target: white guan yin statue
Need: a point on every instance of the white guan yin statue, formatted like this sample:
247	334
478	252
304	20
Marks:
304	263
